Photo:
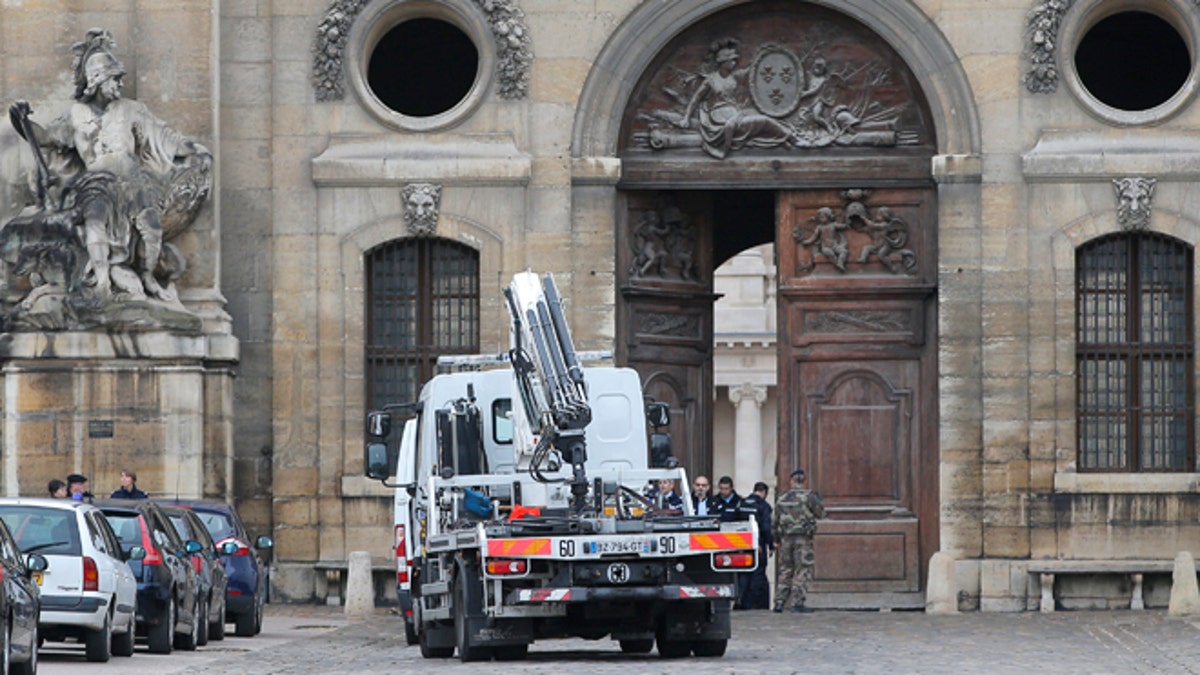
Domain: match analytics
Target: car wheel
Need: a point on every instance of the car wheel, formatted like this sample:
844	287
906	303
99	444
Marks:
258	618
7	657
163	632
202	623
28	667
216	629
244	623
98	643
122	643
187	641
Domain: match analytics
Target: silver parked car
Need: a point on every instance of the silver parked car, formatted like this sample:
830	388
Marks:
87	589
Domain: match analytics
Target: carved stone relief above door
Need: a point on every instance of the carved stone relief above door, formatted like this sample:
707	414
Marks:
774	78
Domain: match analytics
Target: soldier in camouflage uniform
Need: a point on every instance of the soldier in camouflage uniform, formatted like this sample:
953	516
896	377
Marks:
796	515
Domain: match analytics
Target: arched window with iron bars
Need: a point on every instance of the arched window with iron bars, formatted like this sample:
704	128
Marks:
422	302
1134	354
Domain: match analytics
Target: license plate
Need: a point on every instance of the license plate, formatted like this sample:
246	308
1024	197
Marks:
628	546
37	578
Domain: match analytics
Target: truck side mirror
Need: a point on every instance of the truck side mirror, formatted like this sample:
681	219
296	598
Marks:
660	451
379	424
375	458
658	414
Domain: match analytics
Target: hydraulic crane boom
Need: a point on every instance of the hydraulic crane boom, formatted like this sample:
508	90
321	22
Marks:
549	377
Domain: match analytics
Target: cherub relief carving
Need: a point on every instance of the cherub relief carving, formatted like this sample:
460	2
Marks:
828	234
664	244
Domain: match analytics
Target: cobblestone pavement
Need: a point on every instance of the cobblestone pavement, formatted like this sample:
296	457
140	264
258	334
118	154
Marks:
824	642
318	639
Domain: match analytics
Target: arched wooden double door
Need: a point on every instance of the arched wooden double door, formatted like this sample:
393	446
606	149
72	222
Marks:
814	115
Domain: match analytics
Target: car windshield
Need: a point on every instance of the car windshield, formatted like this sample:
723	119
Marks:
127	528
181	526
218	524
42	530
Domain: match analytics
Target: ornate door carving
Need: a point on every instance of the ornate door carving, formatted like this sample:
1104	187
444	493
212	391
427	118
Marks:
858	384
664	272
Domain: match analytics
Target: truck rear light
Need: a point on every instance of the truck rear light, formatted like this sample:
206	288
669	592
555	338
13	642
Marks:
91	575
401	556
499	568
733	560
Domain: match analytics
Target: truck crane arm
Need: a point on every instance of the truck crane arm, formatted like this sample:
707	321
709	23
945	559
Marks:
549	377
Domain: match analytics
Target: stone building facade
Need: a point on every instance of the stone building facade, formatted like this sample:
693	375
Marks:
984	225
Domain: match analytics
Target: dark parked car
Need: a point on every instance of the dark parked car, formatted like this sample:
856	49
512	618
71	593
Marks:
21	604
247	574
168	594
214	581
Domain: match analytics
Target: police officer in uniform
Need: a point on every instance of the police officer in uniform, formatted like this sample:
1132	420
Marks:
755	590
796	515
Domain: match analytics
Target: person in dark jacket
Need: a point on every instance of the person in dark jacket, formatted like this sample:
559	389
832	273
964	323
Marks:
57	488
129	488
756	589
77	488
703	503
727	500
665	489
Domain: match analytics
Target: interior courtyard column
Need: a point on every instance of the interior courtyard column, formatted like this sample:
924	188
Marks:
748	400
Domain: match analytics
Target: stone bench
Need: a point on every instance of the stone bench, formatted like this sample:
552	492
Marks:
335	577
1048	569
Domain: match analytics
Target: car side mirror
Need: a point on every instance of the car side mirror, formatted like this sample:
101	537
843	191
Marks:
193	546
136	553
36	562
228	548
264	541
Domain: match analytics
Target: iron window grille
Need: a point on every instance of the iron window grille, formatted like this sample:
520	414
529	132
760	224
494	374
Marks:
1134	354
422	302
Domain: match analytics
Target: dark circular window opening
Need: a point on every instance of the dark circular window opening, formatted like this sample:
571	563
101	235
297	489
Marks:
1133	61
423	67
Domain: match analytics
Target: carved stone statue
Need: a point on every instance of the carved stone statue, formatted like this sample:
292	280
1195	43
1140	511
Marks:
114	185
422	205
1134	197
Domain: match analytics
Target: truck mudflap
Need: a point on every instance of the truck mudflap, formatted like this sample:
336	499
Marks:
528	596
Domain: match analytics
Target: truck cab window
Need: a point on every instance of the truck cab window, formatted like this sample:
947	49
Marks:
502	429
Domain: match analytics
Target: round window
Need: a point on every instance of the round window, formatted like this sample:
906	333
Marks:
422	65
1133	66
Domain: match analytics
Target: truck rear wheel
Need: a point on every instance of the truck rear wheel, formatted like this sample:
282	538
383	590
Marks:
432	652
642	646
672	649
410	632
468	603
709	647
511	652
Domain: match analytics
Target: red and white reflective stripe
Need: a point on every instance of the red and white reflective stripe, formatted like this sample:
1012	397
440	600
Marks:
544	595
401	556
689	592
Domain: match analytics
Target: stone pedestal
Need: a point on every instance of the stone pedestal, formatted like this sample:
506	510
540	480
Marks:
95	403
